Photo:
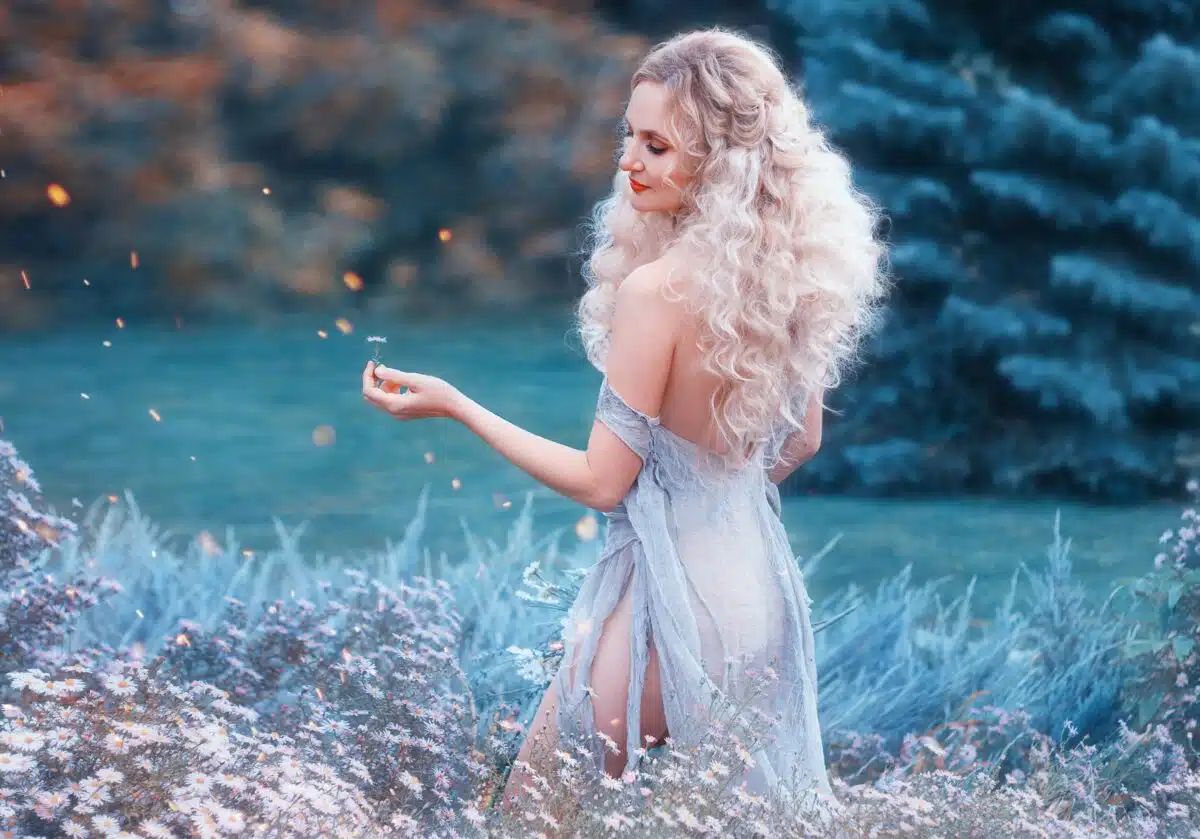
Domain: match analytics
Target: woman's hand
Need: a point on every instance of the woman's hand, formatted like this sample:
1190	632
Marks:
425	397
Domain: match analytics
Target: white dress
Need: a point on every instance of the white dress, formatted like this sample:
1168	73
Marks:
706	561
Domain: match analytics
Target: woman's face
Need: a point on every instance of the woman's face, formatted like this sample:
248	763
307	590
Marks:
649	155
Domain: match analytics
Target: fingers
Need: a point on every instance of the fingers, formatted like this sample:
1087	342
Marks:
393	403
368	378
399	377
382	388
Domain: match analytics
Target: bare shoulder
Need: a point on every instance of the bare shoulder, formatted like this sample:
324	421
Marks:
645	331
646	291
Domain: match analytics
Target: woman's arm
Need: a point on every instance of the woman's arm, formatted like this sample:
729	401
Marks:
639	359
800	446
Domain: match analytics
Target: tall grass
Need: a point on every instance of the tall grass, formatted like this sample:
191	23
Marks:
165	685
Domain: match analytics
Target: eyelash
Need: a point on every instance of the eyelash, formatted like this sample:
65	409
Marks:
650	147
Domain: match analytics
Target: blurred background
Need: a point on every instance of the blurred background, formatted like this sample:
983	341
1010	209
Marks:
208	206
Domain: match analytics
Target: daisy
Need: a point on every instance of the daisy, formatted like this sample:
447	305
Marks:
232	820
100	795
24	741
110	776
198	782
105	824
412	782
120	685
14	762
53	800
116	744
155	829
609	782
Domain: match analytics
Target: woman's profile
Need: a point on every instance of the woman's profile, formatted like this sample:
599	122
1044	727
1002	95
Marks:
733	272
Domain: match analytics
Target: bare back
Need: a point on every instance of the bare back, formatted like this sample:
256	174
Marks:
687	400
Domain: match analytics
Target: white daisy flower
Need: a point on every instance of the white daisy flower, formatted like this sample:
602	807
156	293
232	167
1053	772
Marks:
107	825
232	820
110	776
70	685
120	685
100	795
155	829
412	782
24	740
116	743
10	762
199	782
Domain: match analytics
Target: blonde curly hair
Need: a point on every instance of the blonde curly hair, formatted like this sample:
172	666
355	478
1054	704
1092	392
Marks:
781	250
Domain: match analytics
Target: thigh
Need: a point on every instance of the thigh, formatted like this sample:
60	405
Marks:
610	685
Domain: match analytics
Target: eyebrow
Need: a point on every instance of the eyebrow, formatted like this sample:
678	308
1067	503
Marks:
656	134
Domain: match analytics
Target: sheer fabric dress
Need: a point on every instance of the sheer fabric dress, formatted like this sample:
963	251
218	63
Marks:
703	557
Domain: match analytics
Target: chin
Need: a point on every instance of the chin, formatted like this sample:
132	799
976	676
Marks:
643	203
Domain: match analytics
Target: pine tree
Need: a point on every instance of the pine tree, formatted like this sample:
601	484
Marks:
1040	171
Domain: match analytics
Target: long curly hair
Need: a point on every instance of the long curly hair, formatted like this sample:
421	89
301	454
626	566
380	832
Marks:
780	251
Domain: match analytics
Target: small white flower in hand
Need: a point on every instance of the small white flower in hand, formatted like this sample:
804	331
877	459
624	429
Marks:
376	340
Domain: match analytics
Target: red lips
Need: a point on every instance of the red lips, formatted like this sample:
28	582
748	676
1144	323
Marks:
636	186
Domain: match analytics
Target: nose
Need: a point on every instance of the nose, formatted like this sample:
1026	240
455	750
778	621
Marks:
628	163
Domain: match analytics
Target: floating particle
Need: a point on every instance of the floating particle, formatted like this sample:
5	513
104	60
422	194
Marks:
48	533
193	457
323	435
249	554
587	528
157	417
266	190
85	396
112	499
25	279
108	343
134	262
344	326
140	614
120	323
86	282
352	281
429	457
58	196
456	484
445	234
322	333
208	544
500	501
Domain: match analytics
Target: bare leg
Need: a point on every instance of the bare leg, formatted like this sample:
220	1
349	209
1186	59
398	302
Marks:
610	681
543	733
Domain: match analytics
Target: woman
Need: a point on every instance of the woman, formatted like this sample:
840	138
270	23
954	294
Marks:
733	272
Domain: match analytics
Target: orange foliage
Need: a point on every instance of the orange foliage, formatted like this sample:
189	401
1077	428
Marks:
365	102
348	201
186	77
396	16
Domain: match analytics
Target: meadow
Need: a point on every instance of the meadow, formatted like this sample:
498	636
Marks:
162	686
